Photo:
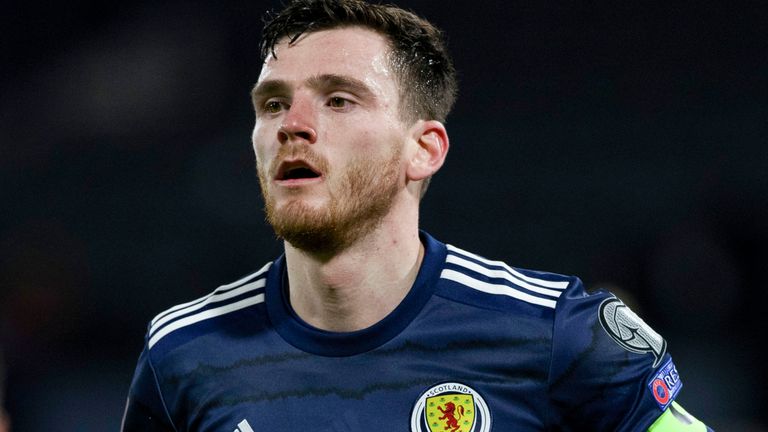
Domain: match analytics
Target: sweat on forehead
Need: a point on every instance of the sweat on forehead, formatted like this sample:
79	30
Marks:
352	60
420	58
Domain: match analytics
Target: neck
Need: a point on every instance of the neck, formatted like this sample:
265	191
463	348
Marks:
359	286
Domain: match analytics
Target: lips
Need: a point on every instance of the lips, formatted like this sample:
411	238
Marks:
296	170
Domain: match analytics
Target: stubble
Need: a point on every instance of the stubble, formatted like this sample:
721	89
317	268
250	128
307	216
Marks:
358	202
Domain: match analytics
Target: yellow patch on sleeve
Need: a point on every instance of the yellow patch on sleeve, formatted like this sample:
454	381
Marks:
676	419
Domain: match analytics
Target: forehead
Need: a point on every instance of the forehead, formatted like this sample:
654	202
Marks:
352	51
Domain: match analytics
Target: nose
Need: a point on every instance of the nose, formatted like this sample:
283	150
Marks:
298	123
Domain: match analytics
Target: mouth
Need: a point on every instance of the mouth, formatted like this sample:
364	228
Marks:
296	171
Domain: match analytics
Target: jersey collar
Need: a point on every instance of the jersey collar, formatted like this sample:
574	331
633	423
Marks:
313	340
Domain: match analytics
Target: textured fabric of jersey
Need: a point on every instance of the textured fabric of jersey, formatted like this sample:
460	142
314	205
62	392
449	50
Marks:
476	345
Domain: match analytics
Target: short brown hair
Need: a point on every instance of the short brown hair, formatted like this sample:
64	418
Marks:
425	72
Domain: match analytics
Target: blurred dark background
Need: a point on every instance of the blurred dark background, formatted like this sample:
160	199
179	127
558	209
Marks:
623	142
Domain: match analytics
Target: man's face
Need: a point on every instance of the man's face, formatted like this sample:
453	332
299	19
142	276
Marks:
328	137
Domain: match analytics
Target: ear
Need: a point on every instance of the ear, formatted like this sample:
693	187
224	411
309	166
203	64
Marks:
428	153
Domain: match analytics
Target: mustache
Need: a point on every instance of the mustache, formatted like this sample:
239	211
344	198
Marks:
298	151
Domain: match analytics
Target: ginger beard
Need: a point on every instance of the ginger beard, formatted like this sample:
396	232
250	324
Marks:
359	198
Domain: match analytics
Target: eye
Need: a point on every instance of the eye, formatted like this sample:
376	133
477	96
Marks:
337	102
273	106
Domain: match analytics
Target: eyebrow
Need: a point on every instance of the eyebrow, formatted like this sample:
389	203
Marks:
342	82
268	88
323	82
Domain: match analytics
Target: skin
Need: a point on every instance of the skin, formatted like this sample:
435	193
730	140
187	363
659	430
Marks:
5	423
331	101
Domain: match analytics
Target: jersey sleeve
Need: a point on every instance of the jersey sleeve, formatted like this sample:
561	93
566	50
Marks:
610	371
145	410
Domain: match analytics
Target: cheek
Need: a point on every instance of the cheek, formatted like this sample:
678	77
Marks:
365	140
259	143
257	133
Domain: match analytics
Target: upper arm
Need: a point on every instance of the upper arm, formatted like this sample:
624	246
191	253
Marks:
145	410
610	370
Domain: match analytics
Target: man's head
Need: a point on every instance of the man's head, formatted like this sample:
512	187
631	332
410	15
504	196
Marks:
418	54
336	153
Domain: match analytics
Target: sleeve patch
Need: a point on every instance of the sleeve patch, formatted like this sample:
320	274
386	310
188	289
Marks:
665	385
630	331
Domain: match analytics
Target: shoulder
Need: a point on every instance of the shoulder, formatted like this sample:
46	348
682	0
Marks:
493	284
601	359
192	319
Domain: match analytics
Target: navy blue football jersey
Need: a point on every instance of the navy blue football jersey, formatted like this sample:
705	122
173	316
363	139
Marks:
475	346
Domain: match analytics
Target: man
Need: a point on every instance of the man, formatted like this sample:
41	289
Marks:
366	323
